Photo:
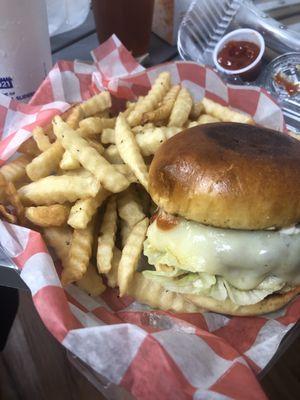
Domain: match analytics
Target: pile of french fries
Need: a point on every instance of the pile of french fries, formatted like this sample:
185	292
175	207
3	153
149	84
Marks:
82	182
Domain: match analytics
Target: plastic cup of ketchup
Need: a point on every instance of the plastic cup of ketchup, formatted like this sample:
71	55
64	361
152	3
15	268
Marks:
239	53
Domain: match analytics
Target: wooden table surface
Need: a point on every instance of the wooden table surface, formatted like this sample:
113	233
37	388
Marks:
33	365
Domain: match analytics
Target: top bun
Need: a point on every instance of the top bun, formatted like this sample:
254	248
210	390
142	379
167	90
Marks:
229	175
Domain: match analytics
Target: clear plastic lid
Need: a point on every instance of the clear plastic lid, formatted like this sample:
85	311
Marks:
281	78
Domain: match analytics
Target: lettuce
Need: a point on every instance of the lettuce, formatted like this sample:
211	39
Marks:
268	286
218	291
183	282
166	257
180	281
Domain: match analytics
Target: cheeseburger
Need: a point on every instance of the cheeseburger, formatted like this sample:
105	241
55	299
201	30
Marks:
225	234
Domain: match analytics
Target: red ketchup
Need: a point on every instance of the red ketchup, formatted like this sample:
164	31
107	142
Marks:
290	87
236	55
164	221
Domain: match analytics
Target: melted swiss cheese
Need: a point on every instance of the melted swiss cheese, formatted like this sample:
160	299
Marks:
243	258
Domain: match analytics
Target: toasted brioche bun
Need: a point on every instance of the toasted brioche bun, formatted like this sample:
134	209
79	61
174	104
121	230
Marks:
269	304
229	175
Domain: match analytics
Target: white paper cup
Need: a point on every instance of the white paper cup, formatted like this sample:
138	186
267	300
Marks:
249	35
25	56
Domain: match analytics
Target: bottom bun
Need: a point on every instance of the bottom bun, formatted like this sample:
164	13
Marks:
269	304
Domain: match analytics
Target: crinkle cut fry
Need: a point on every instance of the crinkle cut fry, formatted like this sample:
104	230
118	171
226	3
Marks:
79	255
45	163
125	170
95	104
150	141
75	116
153	294
131	254
112	275
59	189
15	170
91	282
207	119
60	239
225	114
69	162
129	207
108	136
107	235
89	158
163	112
41	139
111	154
182	108
45	216
197	110
129	150
130	211
83	210
151	100
94	125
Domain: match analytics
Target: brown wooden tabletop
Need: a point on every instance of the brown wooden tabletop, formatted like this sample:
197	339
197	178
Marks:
34	365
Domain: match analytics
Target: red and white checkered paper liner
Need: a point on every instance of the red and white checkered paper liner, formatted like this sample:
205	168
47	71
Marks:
153	354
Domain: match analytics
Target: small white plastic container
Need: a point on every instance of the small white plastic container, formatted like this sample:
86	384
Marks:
251	71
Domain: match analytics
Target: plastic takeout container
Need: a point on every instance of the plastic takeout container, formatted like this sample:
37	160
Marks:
289	65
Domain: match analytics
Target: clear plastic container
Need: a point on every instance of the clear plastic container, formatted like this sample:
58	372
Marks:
288	66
